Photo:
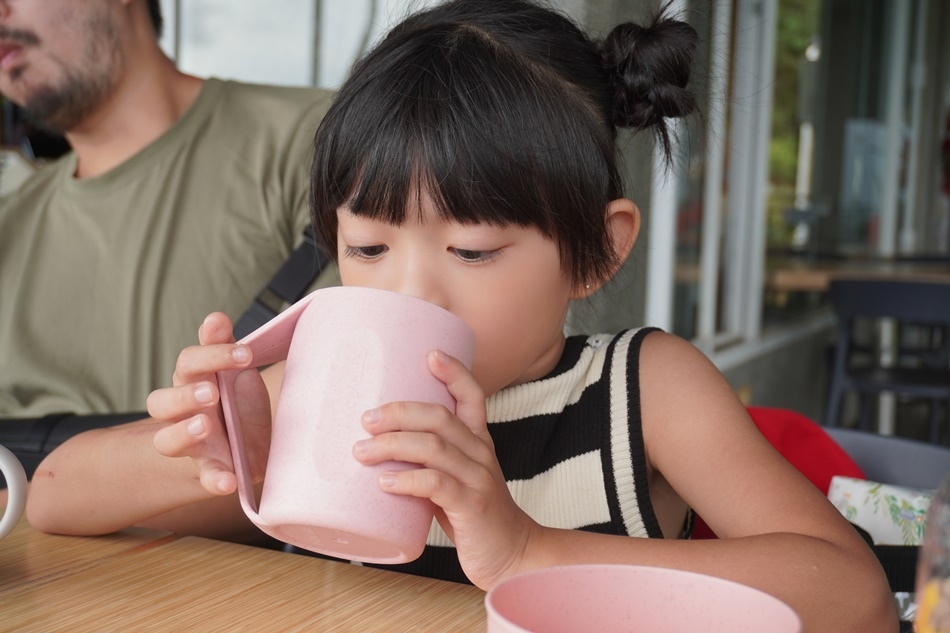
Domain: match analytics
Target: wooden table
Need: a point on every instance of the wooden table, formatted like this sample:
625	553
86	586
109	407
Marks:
804	276
141	580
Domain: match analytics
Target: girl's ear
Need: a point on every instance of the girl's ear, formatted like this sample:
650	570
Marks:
623	227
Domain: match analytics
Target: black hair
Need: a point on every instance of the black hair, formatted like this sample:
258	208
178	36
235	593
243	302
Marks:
504	112
155	12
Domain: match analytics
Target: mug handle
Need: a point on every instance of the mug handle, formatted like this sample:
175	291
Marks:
269	344
16	490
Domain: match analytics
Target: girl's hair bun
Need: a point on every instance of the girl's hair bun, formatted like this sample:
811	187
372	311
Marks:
649	68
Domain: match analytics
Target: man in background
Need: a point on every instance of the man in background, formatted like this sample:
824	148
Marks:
181	196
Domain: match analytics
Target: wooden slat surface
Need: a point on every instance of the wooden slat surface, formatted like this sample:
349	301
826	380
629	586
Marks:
192	584
27	556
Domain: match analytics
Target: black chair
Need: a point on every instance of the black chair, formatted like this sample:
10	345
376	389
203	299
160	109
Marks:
895	460
921	368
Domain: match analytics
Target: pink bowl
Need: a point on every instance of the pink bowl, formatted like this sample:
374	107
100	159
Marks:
626	598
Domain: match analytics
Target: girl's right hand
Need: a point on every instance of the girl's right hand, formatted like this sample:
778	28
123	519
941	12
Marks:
192	408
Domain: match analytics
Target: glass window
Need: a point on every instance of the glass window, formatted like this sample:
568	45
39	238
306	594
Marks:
348	28
266	41
720	224
849	185
283	42
696	198
792	206
821	122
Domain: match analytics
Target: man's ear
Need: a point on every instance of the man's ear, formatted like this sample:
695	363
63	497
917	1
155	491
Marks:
623	227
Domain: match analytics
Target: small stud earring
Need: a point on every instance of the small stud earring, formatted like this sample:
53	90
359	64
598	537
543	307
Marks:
587	286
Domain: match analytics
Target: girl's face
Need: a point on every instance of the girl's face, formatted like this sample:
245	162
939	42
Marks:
505	283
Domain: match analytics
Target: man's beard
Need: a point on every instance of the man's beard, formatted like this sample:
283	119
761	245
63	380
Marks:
62	108
83	87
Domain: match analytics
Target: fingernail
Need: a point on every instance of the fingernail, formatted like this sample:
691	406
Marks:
387	480
439	356
241	354
203	394
372	416
361	446
196	427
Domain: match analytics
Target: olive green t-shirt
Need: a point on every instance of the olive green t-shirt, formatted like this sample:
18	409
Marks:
103	281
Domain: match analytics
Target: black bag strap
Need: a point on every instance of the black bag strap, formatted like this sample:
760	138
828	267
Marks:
287	286
32	439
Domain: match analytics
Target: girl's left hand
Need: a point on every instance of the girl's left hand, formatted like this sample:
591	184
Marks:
458	472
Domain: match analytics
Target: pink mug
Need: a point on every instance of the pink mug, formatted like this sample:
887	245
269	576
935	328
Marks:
348	349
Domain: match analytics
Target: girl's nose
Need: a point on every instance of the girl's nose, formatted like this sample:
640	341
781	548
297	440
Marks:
423	286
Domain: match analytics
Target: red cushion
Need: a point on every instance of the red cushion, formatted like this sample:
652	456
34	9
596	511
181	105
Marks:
804	444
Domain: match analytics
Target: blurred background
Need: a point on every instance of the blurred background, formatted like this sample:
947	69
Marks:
823	145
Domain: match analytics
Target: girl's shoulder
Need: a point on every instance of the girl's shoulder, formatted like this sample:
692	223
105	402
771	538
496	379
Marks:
647	348
683	394
671	381
653	350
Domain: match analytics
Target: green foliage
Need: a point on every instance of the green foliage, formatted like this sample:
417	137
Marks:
799	22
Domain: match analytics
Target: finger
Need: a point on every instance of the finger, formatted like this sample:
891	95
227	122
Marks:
216	328
198	362
426	449
187	437
473	467
180	439
422	418
172	403
468	394
444	491
217	479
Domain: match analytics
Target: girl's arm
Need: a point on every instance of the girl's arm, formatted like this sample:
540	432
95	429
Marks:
171	473
778	532
108	479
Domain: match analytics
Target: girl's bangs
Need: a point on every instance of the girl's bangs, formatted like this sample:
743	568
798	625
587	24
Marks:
460	128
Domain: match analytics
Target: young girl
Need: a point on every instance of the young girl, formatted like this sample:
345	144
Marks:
470	161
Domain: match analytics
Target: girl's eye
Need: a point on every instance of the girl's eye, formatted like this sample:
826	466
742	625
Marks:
467	255
365	252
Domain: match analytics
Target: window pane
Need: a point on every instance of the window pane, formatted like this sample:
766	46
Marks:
856	123
350	27
690	213
793	207
264	41
168	36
